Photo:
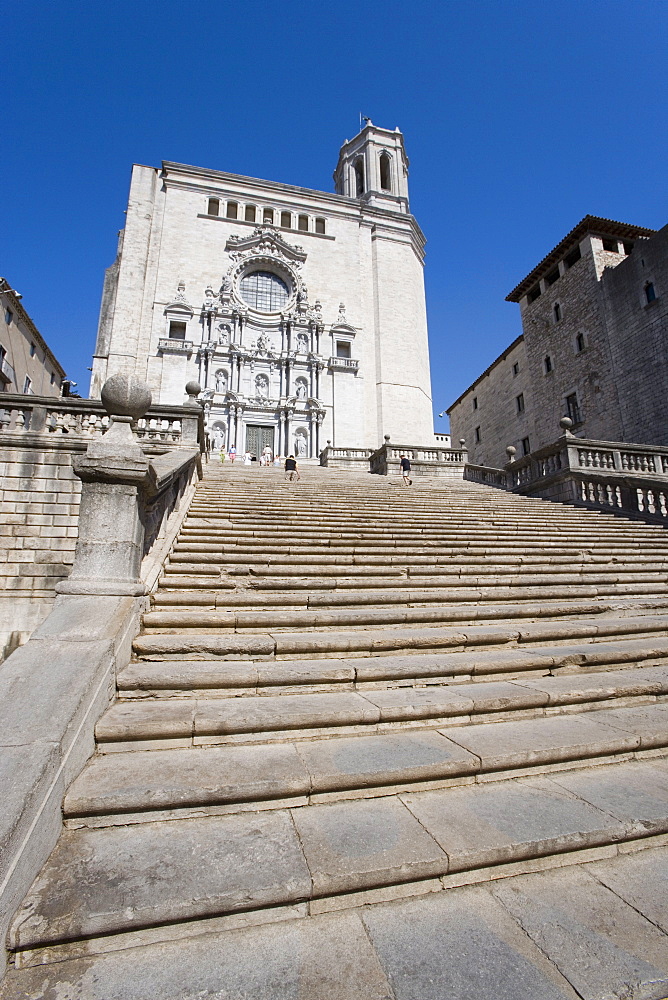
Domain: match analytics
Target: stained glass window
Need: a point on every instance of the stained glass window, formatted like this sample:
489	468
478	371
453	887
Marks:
264	291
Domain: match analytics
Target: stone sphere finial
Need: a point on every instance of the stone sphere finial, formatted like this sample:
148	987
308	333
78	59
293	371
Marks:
328	442
566	423
511	451
193	388
125	396
462	442
387	438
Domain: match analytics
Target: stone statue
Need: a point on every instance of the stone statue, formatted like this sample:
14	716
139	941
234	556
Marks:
263	343
221	381
218	437
223	334
301	389
261	386
302	343
342	314
300	444
209	299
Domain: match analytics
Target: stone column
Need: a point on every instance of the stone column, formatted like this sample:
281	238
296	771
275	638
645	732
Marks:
113	473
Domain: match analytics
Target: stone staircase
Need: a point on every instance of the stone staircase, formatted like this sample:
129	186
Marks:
348	692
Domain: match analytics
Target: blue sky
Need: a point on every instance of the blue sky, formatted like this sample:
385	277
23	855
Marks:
519	119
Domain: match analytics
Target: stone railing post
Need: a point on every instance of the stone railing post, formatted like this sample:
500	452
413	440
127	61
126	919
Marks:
191	421
113	472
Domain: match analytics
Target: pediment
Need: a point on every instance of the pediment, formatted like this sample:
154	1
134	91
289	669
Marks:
264	241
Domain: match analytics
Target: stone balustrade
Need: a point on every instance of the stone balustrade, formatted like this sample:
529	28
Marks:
163	426
432	461
627	479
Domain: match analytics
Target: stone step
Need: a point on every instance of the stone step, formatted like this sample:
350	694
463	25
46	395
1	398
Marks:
169	677
131	786
258	620
101	882
598	926
210	721
378	641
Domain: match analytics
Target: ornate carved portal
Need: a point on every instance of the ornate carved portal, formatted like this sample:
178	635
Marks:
260	360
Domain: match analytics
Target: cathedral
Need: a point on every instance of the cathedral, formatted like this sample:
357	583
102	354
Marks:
301	313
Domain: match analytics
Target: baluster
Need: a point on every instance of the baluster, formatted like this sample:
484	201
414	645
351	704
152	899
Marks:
20	420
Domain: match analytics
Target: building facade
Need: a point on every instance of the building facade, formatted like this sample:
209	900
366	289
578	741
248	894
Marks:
27	365
300	313
594	347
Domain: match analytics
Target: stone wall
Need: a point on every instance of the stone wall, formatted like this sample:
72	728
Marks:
39	507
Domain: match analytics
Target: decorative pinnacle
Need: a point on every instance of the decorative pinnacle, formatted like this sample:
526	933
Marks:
126	396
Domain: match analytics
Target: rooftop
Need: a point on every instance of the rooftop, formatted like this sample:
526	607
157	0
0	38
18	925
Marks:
590	224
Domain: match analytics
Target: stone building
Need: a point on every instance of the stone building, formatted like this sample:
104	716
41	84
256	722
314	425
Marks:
27	365
594	347
301	313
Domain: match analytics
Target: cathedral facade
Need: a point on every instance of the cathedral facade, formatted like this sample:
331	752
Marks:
300	313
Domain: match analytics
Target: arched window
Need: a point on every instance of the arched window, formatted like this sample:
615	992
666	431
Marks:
385	172
213	208
556	312
359	177
286	220
264	291
232	210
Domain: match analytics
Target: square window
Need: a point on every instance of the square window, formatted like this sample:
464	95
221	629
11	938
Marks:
519	402
177	331
342	349
320	226
232	210
610	246
250	213
302	223
573	257
534	293
552	277
286	220
213	207
268	216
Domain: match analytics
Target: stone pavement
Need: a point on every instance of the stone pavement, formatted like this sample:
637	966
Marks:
374	742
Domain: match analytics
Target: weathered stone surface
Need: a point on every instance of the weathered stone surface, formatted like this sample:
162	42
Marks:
247	715
461	944
187	675
357	845
596	940
224	645
101	881
537	741
505	821
128	782
641	880
423	703
569	689
634	792
147	720
648	724
370	761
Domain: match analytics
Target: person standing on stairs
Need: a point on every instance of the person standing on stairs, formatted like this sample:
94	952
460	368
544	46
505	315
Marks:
406	470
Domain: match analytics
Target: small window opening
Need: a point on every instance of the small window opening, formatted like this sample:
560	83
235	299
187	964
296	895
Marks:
573	257
33	350
579	343
611	246
628	248
27	384
286	220
342	349
547	364
573	408
268	216
359	177
526	446
53	378
232	210
475	402
534	293
519	400
177	331
552	277
9	316
385	183
650	293
214	206
477	435
302	223
556	312
320	226
516	368
250	213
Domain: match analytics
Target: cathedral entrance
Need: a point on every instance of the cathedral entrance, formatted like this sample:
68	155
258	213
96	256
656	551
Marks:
258	437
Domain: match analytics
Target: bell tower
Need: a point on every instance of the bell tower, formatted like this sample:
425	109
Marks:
374	168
